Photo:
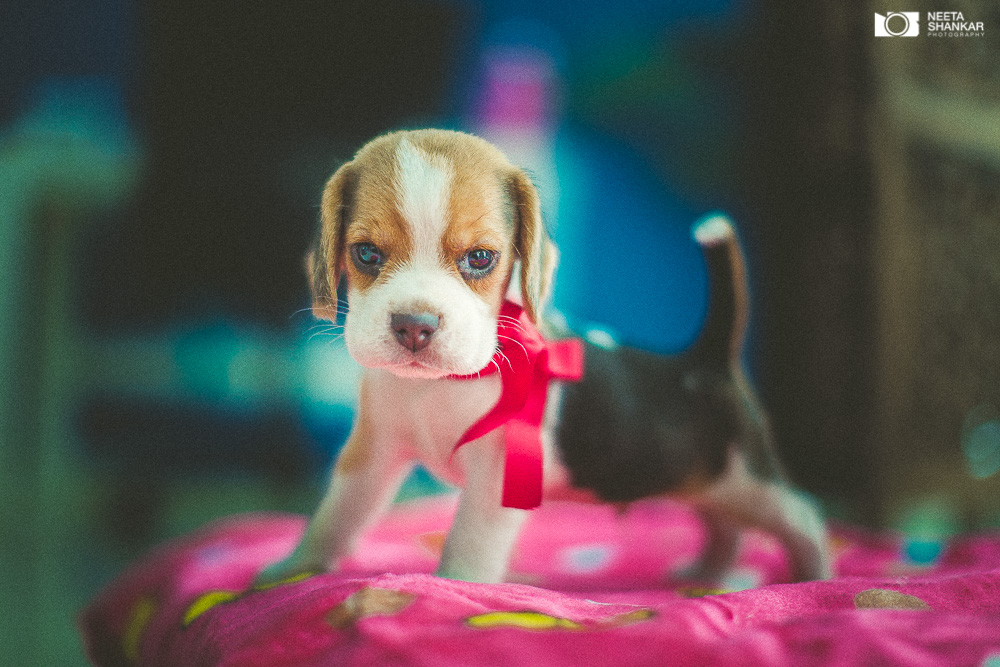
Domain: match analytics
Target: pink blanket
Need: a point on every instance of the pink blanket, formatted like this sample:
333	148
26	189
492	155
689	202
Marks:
594	587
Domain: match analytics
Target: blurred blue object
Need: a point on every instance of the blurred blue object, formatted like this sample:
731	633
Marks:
927	524
922	552
591	20
981	441
627	258
85	107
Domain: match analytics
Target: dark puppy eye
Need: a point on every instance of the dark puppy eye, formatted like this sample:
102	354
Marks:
367	257
480	259
477	263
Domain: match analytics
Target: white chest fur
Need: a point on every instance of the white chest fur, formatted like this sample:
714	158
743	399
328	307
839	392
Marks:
424	419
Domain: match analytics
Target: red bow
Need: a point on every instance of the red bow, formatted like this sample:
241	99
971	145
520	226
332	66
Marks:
526	362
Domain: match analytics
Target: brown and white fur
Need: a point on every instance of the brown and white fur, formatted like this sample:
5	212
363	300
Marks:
406	222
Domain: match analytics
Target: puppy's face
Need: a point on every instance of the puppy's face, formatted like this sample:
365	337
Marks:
426	227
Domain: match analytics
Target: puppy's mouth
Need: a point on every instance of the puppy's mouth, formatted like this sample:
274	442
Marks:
429	366
417	369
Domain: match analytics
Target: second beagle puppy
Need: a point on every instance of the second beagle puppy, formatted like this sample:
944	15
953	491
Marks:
431	229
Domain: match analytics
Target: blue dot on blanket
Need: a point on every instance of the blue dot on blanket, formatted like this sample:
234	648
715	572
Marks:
216	554
922	551
587	558
742	579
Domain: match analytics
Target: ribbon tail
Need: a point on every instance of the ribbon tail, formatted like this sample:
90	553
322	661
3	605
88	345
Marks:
522	481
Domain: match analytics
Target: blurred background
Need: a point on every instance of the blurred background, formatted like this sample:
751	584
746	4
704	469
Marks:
160	170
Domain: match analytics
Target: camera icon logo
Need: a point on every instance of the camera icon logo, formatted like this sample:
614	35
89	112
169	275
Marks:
897	24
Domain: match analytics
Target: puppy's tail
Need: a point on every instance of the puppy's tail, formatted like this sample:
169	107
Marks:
721	338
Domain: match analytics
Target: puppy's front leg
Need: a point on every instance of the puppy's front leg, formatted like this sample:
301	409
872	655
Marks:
366	477
483	533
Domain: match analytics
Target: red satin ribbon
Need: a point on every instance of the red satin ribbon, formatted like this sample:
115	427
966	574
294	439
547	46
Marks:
526	363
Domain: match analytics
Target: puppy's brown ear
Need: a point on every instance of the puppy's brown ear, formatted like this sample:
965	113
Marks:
537	253
325	258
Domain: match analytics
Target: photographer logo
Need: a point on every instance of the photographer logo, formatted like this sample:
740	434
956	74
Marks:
952	24
897	24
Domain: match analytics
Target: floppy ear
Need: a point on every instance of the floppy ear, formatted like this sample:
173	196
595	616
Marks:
324	259
537	252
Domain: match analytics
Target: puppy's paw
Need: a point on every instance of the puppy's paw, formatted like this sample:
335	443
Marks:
286	571
700	572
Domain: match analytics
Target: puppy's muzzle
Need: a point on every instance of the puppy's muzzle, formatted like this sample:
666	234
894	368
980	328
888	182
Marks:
414	330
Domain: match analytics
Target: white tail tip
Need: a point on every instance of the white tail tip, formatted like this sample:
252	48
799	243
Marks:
713	229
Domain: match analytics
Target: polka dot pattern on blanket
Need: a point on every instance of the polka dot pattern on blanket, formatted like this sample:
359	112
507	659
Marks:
589	585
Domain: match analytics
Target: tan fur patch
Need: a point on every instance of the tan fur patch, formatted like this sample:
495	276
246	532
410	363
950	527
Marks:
692	486
535	248
356	452
376	220
480	218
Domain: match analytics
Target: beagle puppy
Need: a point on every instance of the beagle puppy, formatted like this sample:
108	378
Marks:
433	230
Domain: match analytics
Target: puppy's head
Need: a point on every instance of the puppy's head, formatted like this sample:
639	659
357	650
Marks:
427	227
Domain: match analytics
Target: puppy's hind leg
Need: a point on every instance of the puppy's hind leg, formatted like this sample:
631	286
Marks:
722	544
774	507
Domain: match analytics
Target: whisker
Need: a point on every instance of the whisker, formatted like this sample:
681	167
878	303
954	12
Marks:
330	301
338	310
518	343
326	325
335	330
327	329
333	340
513	328
504	357
300	311
512	323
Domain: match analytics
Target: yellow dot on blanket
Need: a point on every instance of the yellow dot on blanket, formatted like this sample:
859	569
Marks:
287	580
702	591
525	620
140	616
205	602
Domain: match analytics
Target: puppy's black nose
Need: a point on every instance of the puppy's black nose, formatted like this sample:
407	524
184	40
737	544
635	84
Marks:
414	330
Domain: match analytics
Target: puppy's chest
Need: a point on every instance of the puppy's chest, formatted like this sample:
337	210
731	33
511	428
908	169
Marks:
427	417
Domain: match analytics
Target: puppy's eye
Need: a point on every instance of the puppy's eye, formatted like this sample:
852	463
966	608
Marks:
480	259
367	257
477	263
